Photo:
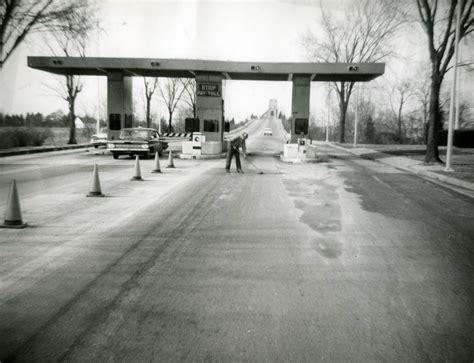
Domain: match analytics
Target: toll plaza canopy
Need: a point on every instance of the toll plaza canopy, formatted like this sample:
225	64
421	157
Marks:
188	68
209	75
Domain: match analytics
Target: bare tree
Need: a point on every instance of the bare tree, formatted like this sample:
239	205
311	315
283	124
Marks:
422	94
150	88
71	38
362	35
171	90
438	20
19	18
189	85
366	110
398	96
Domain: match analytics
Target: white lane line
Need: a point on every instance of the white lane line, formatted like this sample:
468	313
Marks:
381	182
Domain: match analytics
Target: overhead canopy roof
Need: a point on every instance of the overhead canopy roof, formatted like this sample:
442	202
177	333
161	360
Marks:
188	68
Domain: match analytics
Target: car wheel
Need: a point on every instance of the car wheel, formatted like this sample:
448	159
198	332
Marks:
115	155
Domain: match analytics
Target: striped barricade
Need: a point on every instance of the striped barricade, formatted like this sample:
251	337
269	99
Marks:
176	136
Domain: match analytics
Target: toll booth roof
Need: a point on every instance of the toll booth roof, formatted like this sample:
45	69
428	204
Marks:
188	68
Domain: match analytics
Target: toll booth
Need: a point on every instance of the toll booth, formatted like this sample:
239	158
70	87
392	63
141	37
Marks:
119	103
301	129
209	108
300	106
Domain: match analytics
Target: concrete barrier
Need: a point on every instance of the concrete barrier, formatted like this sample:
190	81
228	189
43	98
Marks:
211	148
311	152
290	151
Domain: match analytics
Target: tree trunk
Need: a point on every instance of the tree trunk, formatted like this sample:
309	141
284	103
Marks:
170	128
432	153
400	131
343	103
148	118
425	122
1	51
342	120
72	123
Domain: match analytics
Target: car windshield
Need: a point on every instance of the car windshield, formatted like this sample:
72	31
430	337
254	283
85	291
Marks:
135	134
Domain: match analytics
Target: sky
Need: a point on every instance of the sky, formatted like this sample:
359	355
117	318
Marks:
217	30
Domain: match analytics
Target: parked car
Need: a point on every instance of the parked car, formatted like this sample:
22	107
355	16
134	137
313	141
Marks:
267	132
99	140
137	141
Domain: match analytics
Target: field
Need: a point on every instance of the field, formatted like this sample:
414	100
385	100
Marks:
11	137
61	136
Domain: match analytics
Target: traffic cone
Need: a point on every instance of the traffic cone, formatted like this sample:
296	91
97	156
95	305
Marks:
13	213
157	164
95	184
137	175
170	160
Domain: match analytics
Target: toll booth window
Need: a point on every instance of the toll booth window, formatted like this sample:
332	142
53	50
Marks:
128	121
211	125
301	126
115	121
191	125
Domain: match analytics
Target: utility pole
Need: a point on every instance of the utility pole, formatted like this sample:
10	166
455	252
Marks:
458	77
98	80
329	111
356	118
449	151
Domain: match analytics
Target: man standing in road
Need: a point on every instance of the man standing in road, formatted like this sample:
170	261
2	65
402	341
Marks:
233	149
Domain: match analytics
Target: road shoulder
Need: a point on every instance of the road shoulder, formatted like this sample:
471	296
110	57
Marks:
413	166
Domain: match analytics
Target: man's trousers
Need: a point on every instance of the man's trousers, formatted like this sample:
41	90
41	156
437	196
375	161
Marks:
230	153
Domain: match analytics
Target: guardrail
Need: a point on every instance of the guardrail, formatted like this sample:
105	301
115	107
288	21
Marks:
40	149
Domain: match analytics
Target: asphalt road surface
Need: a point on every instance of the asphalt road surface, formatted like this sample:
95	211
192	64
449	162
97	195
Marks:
343	260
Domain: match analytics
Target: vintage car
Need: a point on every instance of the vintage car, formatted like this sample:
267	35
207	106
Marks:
137	141
267	132
99	140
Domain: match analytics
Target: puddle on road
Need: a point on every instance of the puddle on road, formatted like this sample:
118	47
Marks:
318	202
320	216
328	247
